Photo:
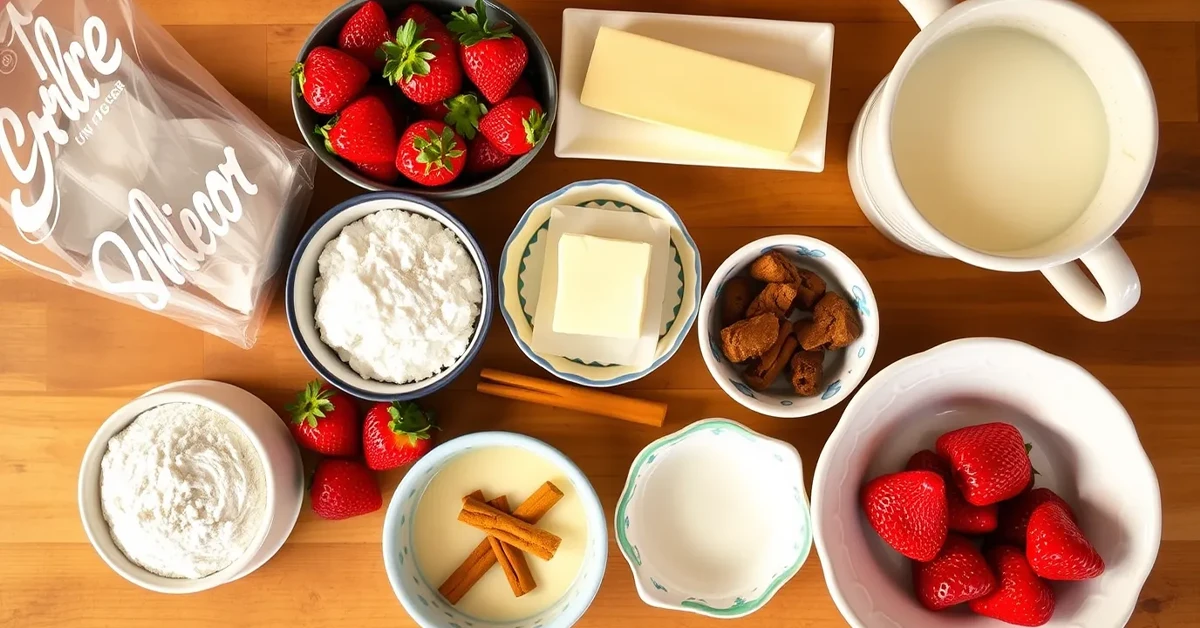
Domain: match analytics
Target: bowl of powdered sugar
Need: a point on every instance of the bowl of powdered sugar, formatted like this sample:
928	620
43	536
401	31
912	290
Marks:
190	486
389	297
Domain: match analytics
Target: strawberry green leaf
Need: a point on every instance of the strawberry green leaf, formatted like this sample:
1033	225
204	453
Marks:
298	72
408	419
464	113
473	28
406	56
323	132
311	404
434	150
535	127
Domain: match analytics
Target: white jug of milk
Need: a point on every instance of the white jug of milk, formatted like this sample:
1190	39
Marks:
1015	135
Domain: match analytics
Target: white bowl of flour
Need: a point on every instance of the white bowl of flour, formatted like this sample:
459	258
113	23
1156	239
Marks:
190	486
389	296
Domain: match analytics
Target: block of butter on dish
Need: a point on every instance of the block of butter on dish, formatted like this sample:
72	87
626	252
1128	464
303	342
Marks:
601	286
654	81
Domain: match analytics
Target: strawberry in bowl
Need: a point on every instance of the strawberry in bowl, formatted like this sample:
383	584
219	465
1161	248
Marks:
472	65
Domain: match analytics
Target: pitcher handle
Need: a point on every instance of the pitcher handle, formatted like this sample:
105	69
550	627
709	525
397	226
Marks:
1119	286
926	11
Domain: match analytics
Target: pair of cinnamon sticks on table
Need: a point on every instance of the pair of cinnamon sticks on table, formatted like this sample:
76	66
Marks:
510	535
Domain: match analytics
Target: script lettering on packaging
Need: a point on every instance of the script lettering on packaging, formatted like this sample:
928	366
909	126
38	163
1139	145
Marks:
161	255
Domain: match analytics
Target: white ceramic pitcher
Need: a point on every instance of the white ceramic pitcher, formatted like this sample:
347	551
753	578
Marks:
1132	118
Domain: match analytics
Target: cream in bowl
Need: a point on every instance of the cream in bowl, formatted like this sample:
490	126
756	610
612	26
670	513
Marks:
496	530
714	519
190	486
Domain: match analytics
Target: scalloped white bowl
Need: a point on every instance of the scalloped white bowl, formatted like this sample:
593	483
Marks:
1084	446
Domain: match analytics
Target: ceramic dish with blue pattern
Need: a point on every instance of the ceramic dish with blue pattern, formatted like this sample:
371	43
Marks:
418	591
714	519
843	369
521	273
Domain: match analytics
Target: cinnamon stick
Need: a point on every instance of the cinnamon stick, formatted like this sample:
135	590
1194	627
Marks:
509	529
511	560
570	397
481	559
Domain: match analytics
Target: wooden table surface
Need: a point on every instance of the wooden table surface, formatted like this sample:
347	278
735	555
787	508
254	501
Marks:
67	359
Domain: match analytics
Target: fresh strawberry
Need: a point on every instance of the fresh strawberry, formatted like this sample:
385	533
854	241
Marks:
431	153
329	79
482	157
436	111
344	488
491	56
1014	514
514	126
392	100
396	434
363	133
424	63
1056	547
958	574
382	172
990	461
1020	597
364	33
908	510
418	13
961	516
522	88
324	420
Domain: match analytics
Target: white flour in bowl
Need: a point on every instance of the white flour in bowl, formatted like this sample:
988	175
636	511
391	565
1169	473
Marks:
398	296
183	491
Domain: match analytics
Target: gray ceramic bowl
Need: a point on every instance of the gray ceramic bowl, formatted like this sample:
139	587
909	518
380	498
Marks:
539	72
300	306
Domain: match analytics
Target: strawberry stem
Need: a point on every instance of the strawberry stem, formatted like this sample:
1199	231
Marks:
473	28
408	419
535	127
311	404
464	112
406	56
435	150
323	131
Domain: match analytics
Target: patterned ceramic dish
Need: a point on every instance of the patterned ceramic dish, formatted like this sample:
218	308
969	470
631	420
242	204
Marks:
521	272
1084	447
714	519
419	596
843	369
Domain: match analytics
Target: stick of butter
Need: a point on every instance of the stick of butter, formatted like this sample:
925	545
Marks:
650	80
601	286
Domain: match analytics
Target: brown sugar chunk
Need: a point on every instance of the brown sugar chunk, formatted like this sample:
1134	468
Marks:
776	298
774	267
810	336
764	370
736	295
749	338
809	289
806	372
838	320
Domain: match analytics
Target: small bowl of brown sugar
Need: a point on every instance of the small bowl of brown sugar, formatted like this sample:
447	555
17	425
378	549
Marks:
788	326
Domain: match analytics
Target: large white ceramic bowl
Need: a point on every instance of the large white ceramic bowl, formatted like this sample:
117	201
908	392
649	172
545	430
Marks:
714	519
1084	446
521	278
420	596
843	368
271	439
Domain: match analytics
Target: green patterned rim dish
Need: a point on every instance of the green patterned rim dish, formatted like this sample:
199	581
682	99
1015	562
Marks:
521	273
751	534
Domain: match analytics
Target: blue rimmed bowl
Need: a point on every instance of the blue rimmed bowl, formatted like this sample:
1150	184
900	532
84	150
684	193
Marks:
714	519
301	307
420	596
844	369
521	278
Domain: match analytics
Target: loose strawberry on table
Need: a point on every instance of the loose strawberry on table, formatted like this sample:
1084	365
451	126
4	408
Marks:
483	157
324	420
958	574
990	461
961	515
515	125
396	434
1020	597
1056	547
908	510
431	153
344	488
364	33
423	62
329	79
492	57
362	133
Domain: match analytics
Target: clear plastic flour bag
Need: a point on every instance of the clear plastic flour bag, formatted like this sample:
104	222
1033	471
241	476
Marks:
128	171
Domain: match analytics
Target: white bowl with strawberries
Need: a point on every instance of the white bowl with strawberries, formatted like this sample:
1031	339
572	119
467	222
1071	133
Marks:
443	98
985	483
